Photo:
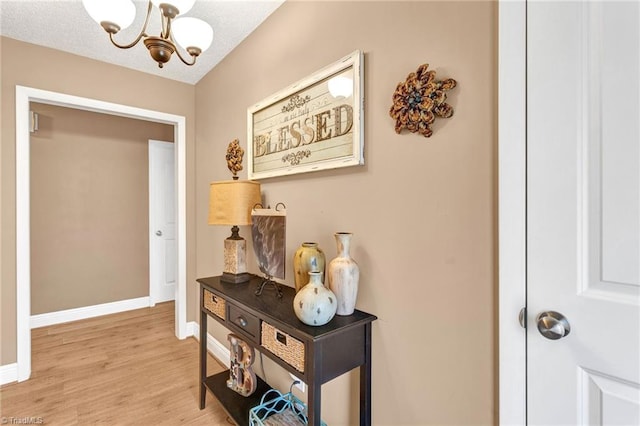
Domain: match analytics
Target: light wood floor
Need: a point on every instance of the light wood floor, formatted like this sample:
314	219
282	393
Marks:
120	369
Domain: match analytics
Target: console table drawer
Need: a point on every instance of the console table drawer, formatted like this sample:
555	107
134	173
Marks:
285	347
248	323
214	304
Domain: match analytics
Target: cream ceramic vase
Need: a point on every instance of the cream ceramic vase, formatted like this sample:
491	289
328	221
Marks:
308	258
315	304
343	275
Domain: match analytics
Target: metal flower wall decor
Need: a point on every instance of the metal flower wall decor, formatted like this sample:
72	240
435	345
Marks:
419	100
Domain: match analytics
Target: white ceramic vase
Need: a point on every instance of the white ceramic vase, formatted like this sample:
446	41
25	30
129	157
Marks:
315	304
343	274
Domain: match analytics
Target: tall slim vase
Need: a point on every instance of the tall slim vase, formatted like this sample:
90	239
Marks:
343	275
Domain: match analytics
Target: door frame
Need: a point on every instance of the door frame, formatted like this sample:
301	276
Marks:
512	203
155	261
25	95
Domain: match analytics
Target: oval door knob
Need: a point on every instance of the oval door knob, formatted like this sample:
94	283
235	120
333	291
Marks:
159	233
553	325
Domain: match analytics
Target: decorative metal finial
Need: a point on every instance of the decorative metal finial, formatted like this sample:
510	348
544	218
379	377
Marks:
234	158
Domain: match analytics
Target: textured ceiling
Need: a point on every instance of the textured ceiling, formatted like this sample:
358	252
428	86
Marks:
65	25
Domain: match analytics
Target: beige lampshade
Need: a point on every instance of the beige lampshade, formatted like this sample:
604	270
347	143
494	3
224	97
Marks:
231	201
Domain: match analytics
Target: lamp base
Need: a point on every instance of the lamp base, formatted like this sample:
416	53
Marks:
235	278
235	258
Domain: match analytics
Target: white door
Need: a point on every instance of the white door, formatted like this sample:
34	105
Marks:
162	222
583	212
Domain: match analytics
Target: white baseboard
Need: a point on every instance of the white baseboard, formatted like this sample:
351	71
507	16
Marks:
59	317
217	349
192	326
8	373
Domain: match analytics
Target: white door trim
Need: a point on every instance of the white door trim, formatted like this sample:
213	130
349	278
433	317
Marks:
24	95
512	208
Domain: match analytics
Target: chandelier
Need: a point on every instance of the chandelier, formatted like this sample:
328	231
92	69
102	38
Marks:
193	34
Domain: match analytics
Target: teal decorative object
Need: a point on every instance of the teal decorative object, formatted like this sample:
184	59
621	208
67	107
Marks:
279	409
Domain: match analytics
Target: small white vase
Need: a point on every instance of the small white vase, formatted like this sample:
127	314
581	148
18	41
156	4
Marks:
344	275
315	304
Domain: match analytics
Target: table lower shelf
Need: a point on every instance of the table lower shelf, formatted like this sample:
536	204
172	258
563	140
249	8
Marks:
236	405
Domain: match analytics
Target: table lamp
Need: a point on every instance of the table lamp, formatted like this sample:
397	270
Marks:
230	203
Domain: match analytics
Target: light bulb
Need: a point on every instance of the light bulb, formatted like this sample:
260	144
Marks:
192	32
119	12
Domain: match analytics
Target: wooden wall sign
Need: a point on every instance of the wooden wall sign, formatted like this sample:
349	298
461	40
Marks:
314	124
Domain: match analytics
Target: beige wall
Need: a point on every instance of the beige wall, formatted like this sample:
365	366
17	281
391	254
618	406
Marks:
34	66
423	211
89	207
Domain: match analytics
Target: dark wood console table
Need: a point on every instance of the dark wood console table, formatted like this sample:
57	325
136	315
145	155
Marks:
270	325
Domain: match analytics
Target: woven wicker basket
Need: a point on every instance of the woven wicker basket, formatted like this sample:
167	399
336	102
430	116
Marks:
214	304
291	350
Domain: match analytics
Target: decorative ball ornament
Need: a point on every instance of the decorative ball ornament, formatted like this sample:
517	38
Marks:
419	100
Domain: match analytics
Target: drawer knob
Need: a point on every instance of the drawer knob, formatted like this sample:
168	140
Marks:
241	321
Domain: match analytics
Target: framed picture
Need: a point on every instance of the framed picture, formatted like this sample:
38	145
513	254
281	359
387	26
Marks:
314	124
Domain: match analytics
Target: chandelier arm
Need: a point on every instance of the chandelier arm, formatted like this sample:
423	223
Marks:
166	27
127	46
143	32
180	56
194	57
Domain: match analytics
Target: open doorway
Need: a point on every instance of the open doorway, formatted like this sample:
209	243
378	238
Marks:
24	96
90	183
